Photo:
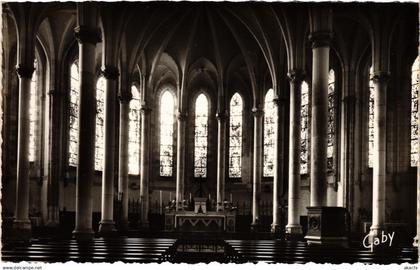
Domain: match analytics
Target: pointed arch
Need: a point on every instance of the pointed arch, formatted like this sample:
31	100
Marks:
331	120
73	113
100	117
134	133
201	125
235	136
33	113
304	133
166	148
269	116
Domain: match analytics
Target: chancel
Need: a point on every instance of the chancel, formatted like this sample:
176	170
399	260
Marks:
197	132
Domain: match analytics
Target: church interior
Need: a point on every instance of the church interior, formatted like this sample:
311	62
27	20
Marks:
195	131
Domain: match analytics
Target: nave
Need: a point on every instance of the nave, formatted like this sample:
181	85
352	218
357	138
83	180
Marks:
147	250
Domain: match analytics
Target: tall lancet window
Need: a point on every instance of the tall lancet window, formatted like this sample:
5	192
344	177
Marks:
331	120
167	106
33	113
134	133
201	136
304	133
414	113
73	113
371	118
100	117
269	114
235	136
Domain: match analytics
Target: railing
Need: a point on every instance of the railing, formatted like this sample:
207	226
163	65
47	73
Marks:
157	211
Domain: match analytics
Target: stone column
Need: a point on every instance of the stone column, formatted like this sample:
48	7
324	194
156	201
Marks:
278	163
180	159
380	80
221	159
144	165
257	165
123	156
293	227
54	157
320	66
21	223
107	224
88	35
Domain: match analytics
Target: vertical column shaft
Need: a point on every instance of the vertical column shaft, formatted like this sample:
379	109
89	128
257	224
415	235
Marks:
21	222
180	166
144	165
379	159
257	164
107	222
320	65
221	159
278	162
123	157
293	226
54	160
86	137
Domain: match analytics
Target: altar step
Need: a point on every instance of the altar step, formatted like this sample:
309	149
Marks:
275	251
140	250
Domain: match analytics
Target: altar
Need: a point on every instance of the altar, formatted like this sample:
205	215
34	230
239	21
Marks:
200	219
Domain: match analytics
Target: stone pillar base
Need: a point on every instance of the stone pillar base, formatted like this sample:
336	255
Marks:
416	241
276	230
107	228
254	227
378	239
21	231
83	235
294	232
327	226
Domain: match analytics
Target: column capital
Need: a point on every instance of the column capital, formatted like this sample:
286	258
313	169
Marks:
55	93
144	109
296	75
257	112
181	116
221	116
381	76
125	97
84	34
25	71
110	72
279	101
320	39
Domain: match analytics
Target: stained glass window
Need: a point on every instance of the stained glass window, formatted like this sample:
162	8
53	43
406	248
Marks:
304	133
134	133
166	134
371	118
33	113
414	113
269	114
235	136
73	113
331	120
201	135
99	143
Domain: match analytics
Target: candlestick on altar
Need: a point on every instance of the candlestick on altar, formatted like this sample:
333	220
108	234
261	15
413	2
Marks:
231	201
170	196
209	197
190	197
